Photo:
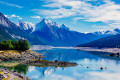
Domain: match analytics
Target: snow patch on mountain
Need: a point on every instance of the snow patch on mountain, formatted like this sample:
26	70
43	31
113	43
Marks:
17	37
108	32
5	22
45	23
27	26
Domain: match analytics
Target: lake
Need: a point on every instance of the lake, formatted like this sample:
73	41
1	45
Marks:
89	64
88	68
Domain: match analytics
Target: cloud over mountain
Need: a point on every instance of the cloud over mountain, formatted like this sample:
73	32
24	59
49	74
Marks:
108	11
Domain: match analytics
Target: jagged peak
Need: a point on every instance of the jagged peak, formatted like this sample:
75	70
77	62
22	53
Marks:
117	29
64	26
47	21
6	22
21	21
26	25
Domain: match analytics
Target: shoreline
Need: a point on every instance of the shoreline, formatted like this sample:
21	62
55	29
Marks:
109	50
11	75
27	57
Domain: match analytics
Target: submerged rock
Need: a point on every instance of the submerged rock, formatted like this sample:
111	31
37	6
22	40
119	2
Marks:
105	67
112	55
101	68
87	67
115	55
56	61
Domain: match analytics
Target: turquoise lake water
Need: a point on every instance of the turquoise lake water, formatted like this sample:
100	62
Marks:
93	60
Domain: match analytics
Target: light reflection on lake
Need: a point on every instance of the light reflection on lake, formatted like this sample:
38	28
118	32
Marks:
85	59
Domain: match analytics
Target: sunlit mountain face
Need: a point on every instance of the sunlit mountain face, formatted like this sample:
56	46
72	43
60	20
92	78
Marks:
60	34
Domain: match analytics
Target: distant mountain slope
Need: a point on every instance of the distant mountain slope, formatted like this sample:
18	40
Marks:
9	30
110	41
4	35
107	33
61	35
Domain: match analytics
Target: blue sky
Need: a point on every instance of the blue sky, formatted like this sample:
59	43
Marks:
79	15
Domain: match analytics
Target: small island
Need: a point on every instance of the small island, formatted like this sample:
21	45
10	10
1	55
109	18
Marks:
19	51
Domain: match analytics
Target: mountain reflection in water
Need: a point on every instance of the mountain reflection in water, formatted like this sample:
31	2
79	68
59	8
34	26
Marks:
88	68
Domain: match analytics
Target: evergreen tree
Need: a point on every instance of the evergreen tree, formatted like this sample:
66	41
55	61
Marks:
17	45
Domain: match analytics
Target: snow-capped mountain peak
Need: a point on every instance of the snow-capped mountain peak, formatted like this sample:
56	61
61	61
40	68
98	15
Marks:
5	22
108	32
49	23
27	26
45	23
117	30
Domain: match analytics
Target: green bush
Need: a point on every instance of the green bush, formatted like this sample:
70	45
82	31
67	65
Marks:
14	45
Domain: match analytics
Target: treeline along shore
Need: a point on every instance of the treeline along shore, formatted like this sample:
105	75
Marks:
14	45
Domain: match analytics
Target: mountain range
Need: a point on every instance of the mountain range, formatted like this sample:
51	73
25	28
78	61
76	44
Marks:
47	32
108	32
61	35
9	30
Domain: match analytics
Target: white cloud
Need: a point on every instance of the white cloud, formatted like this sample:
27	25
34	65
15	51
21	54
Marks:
38	17
6	15
77	18
36	76
31	68
109	11
58	77
19	18
9	4
13	16
57	13
103	76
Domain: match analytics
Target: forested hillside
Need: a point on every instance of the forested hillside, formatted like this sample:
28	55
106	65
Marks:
111	42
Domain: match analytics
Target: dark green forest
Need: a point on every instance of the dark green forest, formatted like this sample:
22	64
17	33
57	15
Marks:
14	45
107	42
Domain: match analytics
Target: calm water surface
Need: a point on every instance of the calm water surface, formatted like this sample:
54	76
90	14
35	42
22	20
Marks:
93	60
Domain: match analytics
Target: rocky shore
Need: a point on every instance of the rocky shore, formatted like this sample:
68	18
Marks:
46	63
27	57
11	75
14	55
